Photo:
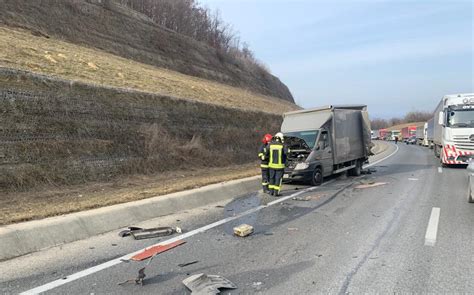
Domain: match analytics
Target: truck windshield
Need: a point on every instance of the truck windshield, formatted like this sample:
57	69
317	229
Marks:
308	136
461	118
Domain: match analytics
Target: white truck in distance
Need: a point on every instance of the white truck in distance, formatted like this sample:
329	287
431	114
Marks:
454	129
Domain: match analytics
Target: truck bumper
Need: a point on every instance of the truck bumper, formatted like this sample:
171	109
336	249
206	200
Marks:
450	155
298	175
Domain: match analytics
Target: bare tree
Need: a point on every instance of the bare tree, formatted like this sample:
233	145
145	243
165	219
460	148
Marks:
417	116
378	124
189	18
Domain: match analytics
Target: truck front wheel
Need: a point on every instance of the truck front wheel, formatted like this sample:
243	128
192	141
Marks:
437	152
317	178
470	199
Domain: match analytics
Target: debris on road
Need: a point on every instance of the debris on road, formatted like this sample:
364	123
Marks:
127	232
207	284
138	280
369	171
307	198
292	228
369	185
257	285
188	263
151	252
155	250
139	233
243	230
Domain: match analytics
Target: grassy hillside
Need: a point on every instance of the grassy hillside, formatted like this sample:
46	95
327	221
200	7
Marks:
57	132
20	49
104	104
126	33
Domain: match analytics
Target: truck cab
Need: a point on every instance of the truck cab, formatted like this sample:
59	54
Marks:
454	129
308	151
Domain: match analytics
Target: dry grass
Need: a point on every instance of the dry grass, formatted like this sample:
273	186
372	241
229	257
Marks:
20	49
18	207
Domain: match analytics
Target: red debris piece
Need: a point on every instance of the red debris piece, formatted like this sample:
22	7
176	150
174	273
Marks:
156	250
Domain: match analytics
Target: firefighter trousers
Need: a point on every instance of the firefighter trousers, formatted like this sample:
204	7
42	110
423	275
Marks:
265	178
276	178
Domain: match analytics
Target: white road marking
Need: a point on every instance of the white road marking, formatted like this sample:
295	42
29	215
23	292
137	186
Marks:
110	263
413	179
432	229
383	159
440	170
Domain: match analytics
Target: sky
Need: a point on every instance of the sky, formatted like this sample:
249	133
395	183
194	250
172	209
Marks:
396	56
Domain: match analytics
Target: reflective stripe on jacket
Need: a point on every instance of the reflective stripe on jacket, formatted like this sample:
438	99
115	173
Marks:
278	153
263	155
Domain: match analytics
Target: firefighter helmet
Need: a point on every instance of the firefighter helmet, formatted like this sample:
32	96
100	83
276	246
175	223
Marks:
279	136
267	138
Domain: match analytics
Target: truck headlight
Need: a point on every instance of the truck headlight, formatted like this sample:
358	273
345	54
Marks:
301	166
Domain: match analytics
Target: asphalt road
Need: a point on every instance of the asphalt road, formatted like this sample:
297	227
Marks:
343	239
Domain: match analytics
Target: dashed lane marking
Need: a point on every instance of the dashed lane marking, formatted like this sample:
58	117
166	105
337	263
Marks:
432	229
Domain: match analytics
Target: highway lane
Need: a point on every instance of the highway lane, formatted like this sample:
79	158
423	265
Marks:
342	240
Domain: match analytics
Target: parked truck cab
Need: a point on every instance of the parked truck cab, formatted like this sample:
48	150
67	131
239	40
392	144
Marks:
454	129
326	141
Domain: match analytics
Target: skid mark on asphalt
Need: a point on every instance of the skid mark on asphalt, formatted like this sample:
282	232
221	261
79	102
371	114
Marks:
365	258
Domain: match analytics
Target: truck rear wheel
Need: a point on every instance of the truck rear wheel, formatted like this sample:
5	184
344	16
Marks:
357	170
317	178
436	151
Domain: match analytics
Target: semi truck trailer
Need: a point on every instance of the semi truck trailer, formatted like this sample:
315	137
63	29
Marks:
454	129
408	132
420	134
325	141
375	134
428	142
395	133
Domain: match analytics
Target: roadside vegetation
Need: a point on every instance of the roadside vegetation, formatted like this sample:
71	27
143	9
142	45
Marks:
102	104
111	27
22	50
411	117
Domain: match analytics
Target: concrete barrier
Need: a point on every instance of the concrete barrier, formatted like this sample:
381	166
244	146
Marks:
379	146
23	238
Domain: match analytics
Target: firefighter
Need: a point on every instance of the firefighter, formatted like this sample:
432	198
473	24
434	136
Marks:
277	159
263	156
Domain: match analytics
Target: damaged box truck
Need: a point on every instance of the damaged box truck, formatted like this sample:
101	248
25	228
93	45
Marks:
326	141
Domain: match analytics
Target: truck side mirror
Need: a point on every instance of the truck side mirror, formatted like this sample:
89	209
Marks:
441	118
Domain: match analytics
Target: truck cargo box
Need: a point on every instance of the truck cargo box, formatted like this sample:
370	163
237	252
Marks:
349	128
